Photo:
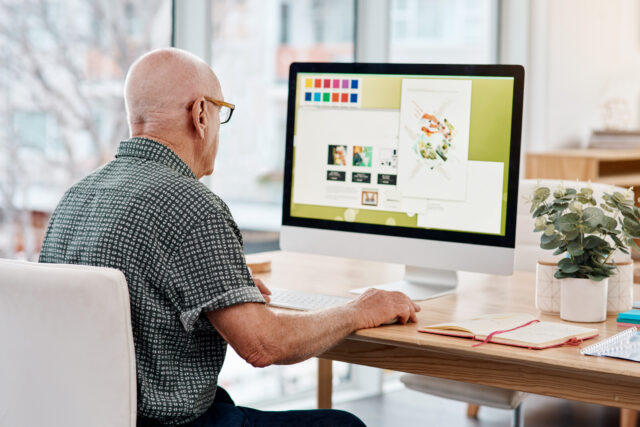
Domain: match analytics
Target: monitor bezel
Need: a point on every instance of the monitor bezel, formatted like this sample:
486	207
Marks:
514	71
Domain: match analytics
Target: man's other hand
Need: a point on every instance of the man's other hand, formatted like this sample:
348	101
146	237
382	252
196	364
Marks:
263	289
375	307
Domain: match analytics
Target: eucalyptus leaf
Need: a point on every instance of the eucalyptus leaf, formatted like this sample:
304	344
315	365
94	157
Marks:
618	197
559	207
571	235
540	210
575	249
592	216
632	224
616	240
587	228
631	231
559	274
541	193
609	223
550	230
567	266
552	244
567	222
545	238
593	241
561	249
606	208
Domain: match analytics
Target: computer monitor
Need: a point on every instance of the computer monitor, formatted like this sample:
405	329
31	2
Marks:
406	163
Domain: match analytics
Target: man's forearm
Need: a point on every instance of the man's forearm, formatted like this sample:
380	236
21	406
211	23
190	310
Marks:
304	335
263	336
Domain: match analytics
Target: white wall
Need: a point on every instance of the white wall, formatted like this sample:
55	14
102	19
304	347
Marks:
581	54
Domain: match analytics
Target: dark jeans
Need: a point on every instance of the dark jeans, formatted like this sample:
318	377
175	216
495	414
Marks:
223	412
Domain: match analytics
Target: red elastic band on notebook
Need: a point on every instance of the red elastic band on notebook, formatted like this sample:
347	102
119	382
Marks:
488	338
571	341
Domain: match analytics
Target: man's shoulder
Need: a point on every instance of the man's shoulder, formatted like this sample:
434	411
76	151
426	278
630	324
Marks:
151	184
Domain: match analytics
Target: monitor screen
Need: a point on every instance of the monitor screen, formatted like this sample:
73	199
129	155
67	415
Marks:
420	151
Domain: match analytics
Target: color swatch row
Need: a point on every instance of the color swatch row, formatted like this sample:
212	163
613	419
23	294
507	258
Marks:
331	97
331	83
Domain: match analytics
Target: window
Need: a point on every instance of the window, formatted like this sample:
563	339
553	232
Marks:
252	45
443	31
62	68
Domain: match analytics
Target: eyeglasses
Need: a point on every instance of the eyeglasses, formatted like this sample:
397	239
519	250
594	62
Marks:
226	109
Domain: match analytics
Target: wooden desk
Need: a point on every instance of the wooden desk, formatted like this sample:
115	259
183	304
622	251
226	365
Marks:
560	372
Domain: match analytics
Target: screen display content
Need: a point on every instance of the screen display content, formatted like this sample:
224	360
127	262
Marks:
409	151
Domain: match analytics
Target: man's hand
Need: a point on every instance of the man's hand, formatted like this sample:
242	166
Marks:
263	289
375	307
291	337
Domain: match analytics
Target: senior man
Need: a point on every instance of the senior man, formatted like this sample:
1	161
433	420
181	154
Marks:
146	214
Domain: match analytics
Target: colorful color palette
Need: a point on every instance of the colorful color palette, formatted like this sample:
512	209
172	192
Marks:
331	91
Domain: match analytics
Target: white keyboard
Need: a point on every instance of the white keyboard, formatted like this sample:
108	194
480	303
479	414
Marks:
305	301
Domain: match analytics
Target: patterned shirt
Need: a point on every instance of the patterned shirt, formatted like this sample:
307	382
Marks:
146	214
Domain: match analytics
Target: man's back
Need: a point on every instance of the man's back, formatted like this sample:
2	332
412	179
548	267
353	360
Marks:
147	215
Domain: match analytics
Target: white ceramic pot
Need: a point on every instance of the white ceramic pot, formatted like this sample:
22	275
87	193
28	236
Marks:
620	294
583	300
547	287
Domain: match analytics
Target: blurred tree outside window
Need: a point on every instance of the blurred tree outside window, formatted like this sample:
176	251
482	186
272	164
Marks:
62	69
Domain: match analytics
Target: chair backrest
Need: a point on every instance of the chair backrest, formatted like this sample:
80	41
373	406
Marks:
528	249
66	346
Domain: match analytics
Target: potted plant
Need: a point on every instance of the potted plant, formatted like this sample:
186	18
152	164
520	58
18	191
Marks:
572	222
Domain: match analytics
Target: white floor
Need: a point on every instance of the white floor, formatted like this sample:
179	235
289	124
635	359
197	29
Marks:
409	408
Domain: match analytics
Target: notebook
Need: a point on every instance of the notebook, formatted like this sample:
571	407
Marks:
516	329
631	317
624	345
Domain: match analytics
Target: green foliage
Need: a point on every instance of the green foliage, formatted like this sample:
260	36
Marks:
572	222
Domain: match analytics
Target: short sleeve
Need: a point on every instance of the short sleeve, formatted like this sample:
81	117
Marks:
209	271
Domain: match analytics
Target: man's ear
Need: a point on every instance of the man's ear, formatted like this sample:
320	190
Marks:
198	116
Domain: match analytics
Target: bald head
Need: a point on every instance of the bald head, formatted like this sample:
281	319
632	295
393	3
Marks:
159	87
161	83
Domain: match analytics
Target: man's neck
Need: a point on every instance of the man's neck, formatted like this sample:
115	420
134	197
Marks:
180	146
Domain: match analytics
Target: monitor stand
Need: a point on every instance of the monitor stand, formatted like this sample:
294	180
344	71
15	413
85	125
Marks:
420	283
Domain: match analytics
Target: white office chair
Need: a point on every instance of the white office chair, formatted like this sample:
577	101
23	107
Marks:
66	347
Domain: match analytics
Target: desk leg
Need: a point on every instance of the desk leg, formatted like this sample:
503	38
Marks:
325	380
628	417
472	411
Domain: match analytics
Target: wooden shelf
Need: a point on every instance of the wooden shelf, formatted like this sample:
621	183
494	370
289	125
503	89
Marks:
617	167
626	180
